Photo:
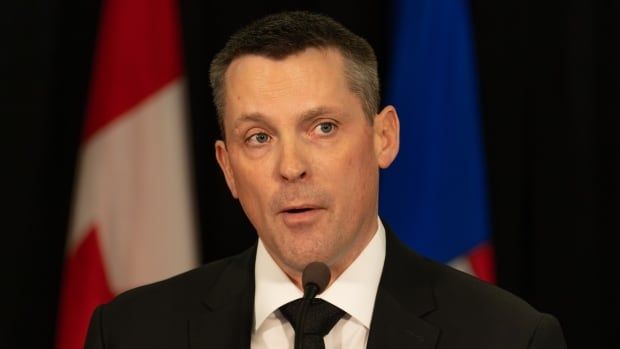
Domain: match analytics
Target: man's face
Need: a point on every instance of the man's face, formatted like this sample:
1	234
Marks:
302	157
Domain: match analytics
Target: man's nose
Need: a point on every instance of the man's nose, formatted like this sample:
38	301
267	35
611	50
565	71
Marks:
293	164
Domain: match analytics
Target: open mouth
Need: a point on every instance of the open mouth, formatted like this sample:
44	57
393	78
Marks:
299	216
298	210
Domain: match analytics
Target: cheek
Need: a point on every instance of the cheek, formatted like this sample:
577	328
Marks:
253	185
357	172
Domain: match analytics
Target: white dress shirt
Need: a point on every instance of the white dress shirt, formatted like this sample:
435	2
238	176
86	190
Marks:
354	291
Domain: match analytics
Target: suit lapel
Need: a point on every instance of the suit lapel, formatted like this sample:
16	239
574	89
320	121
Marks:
225	319
402	300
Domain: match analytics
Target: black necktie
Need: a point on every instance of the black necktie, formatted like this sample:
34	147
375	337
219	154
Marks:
320	319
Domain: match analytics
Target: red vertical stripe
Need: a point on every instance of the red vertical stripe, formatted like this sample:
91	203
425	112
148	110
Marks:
85	286
482	262
138	52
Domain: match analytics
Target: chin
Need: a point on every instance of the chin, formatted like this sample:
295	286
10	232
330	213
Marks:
298	261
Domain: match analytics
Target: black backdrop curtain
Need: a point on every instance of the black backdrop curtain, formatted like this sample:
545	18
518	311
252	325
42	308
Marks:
549	78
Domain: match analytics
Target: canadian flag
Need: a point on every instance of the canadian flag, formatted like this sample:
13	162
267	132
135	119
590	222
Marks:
133	220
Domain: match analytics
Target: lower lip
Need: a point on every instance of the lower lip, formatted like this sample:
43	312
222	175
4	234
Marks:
301	218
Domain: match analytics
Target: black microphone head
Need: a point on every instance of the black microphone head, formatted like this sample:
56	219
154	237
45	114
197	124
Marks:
316	273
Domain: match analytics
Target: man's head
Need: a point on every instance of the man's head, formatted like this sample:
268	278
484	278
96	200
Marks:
303	144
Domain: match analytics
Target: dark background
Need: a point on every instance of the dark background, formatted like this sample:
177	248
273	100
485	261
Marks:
549	76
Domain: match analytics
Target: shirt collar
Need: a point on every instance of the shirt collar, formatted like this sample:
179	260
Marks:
361	278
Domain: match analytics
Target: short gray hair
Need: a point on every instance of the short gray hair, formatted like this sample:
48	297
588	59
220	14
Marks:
281	35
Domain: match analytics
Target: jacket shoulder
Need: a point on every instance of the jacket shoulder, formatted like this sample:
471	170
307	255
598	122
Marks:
467	307
157	315
179	295
467	312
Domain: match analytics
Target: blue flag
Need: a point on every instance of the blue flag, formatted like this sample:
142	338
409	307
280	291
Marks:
434	195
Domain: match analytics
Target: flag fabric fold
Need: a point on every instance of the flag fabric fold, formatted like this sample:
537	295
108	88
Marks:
434	195
133	221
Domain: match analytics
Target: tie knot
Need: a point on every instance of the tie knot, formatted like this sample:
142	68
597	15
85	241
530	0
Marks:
320	318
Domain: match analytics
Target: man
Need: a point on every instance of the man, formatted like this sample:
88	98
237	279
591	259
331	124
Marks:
297	96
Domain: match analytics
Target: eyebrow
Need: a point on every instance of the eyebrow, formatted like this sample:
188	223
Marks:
318	111
308	114
252	117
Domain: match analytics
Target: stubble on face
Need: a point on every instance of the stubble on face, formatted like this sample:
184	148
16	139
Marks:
297	246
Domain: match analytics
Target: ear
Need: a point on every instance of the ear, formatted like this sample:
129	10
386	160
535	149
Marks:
221	154
387	136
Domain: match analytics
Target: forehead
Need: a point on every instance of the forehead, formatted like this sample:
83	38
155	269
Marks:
257	68
309	79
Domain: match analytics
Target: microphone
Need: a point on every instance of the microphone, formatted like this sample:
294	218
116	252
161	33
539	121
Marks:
314	279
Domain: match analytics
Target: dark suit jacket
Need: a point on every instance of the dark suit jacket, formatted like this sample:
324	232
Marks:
419	304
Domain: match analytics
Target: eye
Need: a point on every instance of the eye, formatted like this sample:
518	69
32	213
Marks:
325	128
258	138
